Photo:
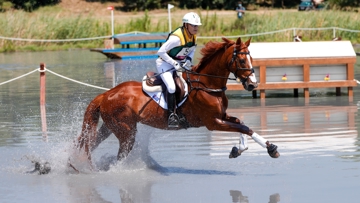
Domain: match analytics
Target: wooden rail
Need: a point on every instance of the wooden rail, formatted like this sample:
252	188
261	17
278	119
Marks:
303	72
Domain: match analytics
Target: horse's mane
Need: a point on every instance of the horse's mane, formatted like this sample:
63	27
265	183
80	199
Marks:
211	49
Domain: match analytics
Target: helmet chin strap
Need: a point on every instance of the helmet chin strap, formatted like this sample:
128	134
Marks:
186	25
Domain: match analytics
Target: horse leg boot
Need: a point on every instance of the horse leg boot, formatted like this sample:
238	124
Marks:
235	152
173	119
271	148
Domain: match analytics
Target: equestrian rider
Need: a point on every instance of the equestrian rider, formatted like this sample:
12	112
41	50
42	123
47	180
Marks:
177	52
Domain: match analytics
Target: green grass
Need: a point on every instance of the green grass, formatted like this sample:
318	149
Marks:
48	23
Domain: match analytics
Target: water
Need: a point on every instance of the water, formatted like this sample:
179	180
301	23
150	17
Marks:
318	142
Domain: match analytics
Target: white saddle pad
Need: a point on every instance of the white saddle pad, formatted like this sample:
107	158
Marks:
155	92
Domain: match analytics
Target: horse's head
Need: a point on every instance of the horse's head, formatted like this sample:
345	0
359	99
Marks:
222	58
240	65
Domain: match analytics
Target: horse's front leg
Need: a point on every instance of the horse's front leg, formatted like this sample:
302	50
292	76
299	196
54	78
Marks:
229	123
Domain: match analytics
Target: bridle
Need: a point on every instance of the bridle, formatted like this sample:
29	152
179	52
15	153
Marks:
240	66
240	63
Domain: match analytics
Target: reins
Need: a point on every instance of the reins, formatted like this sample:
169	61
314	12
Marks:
206	89
235	59
207	75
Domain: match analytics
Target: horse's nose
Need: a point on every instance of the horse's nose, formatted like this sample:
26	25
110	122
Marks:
251	86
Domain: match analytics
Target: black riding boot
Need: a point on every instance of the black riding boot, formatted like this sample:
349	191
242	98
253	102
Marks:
173	120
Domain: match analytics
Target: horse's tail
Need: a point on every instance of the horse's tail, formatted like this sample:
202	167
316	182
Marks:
88	134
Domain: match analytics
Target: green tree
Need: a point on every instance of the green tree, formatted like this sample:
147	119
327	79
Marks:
344	3
30	5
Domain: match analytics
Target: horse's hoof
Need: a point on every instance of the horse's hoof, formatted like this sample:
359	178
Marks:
235	152
272	151
42	168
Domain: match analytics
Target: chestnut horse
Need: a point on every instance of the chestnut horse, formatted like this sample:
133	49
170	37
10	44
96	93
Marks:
125	105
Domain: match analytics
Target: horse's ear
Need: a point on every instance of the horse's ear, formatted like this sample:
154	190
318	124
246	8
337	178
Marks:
238	41
226	40
247	43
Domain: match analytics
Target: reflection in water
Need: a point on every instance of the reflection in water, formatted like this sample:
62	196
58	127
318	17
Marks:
238	197
274	198
120	187
311	128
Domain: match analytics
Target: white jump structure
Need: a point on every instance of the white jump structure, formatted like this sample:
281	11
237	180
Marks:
294	65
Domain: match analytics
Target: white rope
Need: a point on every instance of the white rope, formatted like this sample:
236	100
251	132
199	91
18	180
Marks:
21	76
278	31
38	69
53	40
248	35
358	82
199	37
343	29
103	88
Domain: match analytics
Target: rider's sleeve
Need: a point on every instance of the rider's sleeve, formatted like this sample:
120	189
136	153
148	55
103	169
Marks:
172	42
191	54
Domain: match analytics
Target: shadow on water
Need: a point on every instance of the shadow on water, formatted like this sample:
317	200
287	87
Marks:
106	162
182	170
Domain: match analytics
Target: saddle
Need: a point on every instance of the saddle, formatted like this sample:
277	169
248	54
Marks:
154	79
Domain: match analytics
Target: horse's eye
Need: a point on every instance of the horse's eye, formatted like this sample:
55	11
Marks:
242	61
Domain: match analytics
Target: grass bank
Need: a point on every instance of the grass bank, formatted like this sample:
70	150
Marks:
50	23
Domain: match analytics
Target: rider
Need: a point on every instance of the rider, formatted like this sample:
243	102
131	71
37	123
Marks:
177	52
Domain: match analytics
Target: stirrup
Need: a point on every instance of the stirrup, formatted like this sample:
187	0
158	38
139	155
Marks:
173	121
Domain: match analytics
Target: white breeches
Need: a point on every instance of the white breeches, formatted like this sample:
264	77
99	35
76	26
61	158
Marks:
166	76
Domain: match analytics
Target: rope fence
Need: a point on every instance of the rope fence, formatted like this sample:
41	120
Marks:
54	73
42	71
53	40
335	29
70	79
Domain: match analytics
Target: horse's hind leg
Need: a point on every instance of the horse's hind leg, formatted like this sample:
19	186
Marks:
102	134
126	139
88	136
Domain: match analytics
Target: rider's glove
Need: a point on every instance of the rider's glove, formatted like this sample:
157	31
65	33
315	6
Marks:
177	66
187	64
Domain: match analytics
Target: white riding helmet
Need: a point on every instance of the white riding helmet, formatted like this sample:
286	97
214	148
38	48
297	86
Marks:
191	18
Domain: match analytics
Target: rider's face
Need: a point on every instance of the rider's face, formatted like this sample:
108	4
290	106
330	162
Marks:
193	29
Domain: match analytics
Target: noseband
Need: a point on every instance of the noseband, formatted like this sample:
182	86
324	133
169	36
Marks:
240	63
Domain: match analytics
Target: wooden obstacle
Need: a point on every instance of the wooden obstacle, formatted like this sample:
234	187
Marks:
133	45
290	65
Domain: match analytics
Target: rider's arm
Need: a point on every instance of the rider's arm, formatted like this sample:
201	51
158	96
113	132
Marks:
172	42
191	54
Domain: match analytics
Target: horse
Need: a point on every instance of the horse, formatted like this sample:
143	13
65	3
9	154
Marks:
125	105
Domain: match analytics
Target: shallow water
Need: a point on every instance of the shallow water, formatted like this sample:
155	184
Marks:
318	141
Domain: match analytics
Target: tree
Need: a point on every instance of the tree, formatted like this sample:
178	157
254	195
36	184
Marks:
30	5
